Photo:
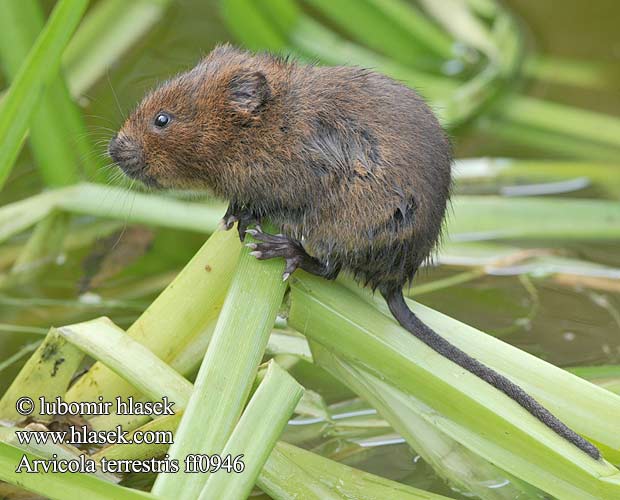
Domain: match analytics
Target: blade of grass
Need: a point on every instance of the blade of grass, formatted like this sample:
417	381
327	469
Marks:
255	435
440	284
284	478
246	21
17	356
141	451
549	384
537	263
44	243
489	217
280	343
188	307
459	20
109	29
9	328
309	39
595	75
492	175
469	410
475	217
170	423
46	374
38	69
50	451
52	146
464	470
393	28
559	118
43	248
231	362
411	20
547	140
104	341
61	486
594	372
103	201
282	14
280	477
453	103
281	481
606	376
20	215
314	40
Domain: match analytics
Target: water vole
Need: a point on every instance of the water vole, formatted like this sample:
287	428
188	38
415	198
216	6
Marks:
350	164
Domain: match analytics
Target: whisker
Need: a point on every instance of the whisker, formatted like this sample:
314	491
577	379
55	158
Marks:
118	104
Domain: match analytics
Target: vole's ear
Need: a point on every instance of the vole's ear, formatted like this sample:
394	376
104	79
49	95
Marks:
249	90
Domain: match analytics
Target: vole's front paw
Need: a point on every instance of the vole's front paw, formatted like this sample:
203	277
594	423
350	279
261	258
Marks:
228	221
277	245
242	216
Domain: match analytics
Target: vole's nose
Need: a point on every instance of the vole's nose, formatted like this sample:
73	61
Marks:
126	154
113	148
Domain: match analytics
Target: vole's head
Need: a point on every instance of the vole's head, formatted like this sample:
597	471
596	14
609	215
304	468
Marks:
184	130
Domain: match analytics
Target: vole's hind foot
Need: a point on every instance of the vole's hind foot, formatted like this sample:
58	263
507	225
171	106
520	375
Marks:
242	216
278	245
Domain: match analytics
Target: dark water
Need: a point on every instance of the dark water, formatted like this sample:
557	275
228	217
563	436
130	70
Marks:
565	325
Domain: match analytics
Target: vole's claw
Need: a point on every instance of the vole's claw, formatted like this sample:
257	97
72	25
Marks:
227	222
229	218
246	219
243	216
273	239
242	227
292	263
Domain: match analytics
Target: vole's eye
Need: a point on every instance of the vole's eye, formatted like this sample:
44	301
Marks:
162	120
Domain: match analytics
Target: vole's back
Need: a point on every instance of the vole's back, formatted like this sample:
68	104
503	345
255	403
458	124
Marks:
375	164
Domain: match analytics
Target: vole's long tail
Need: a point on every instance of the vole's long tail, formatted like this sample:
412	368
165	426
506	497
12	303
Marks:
409	321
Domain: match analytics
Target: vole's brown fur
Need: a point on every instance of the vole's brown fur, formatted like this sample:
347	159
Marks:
351	165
